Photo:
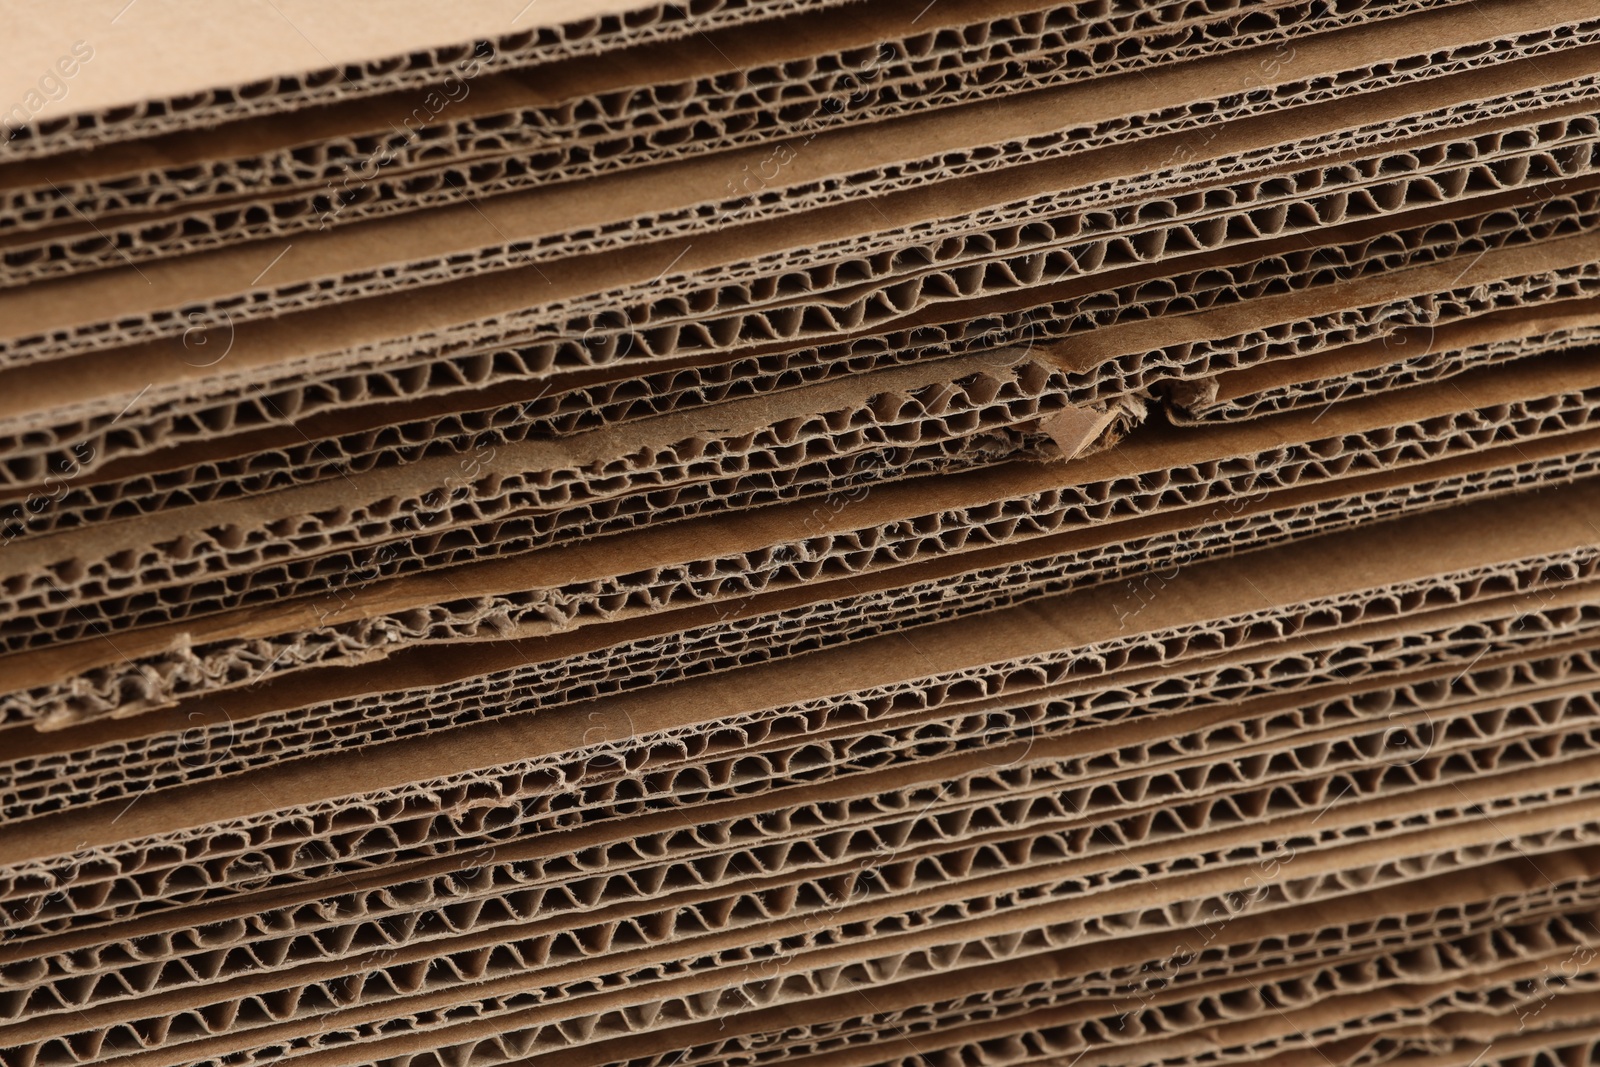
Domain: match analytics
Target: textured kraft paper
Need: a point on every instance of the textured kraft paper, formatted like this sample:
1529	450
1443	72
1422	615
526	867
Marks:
1421	903
510	855
1272	719
444	234
1285	313
53	339
415	315
246	723
855	31
1117	379
1344	858
1209	680
1084	789
1554	620
1362	559
605	557
244	707
874	41
666	820
195	49
268	437
668	823
892	150
1308	745
1144	456
125	402
212	914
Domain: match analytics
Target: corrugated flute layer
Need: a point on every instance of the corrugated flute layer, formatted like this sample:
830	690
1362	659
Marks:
753	533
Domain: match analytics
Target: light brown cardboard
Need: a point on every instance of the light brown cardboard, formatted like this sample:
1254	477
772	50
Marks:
1334	438
441	246
1093	562
803	179
298	54
155	369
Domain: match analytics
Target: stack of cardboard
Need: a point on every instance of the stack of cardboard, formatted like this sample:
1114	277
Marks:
972	532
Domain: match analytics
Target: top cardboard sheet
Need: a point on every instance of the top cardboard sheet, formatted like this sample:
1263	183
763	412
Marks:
127	67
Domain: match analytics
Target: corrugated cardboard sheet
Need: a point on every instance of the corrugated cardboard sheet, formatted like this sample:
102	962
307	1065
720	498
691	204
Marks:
800	532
